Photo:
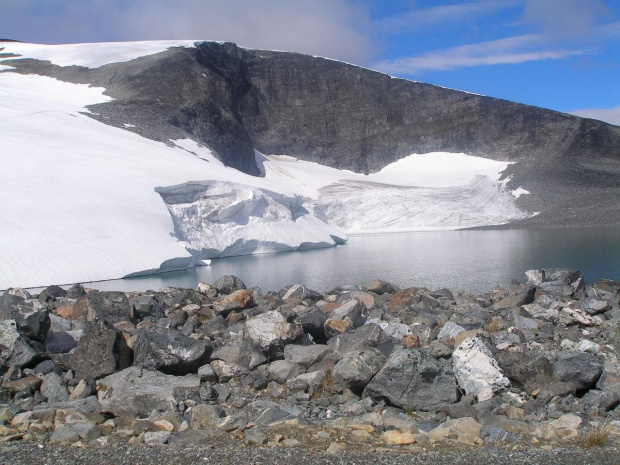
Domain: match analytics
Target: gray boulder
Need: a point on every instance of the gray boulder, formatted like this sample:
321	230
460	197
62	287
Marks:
145	306
412	379
581	369
528	370
305	355
136	392
54	389
381	287
31	316
109	306
228	284
313	323
370	335
282	370
100	352
344	318
355	369
299	291
169	351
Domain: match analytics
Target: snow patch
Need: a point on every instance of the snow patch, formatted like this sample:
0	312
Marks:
518	192
92	55
128	125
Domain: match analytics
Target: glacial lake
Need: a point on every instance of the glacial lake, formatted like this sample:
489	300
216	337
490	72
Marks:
475	261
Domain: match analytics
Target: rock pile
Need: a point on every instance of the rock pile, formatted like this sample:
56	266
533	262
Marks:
371	366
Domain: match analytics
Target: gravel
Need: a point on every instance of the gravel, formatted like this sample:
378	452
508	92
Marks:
32	454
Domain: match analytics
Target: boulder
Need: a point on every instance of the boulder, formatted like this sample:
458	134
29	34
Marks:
344	318
298	291
100	352
305	355
528	370
476	370
411	379
282	370
31	316
136	392
228	284
146	306
313	323
581	369
236	301
463	430
169	351
370	335
240	353
271	331
206	416
307	381
405	298
61	342
53	389
381	287
51	293
227	371
355	369
449	331
109	306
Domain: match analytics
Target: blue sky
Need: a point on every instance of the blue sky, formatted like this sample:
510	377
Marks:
558	54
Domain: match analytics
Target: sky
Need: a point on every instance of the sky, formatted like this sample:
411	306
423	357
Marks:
557	54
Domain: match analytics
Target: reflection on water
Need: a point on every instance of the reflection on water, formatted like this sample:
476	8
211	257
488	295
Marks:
469	260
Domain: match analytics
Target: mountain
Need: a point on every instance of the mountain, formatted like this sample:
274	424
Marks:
148	156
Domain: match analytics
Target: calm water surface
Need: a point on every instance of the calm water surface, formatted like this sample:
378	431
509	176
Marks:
469	260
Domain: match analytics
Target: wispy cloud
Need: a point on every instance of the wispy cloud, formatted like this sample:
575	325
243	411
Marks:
510	50
421	18
567	19
609	115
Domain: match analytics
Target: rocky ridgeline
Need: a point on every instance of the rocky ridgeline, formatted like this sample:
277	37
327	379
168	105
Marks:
361	367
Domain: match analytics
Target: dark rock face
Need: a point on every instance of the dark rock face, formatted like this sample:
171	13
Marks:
169	351
98	353
581	369
109	306
410	379
236	100
32	320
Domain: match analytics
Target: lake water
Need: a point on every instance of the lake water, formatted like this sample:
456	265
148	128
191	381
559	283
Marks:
469	260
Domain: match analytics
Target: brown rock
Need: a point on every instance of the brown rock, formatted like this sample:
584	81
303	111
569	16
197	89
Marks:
236	301
337	326
407	297
396	438
411	341
29	383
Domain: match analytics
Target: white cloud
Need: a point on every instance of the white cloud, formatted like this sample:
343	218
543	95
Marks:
609	115
333	28
510	50
417	19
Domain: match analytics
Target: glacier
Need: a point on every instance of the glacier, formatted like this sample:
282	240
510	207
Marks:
83	201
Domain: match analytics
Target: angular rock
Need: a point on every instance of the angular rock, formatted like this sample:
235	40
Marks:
227	284
450	330
271	331
282	370
307	381
156	438
396	438
464	430
169	351
313	323
528	370
32	317
206	416
380	287
476	370
227	371
60	342
344	318
109	306
298	291
98	353
136	392
54	389
51	293
305	355
370	335
146	306
64	435
236	301
355	369
411	379
582	370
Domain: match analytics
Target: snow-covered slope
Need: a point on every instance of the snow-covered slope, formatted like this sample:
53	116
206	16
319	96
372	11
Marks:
84	201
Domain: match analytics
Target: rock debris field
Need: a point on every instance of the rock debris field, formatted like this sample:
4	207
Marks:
405	375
